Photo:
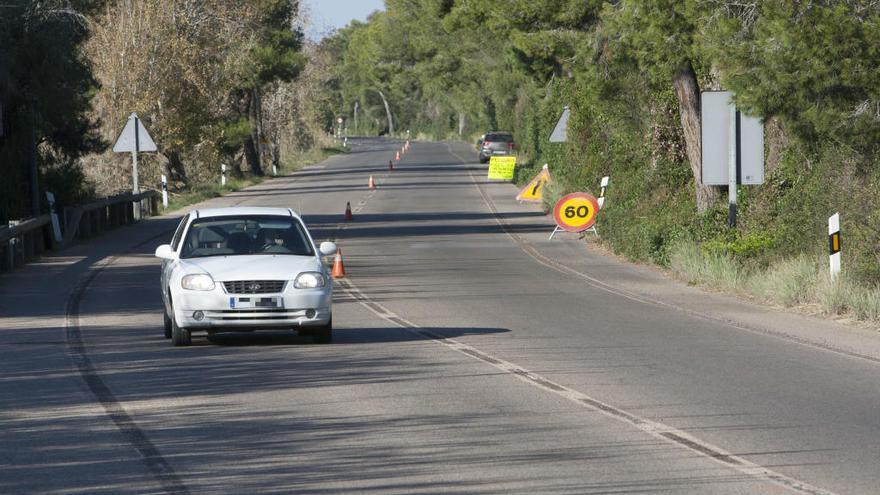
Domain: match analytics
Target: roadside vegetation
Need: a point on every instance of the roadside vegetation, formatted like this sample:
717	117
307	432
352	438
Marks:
202	191
215	82
232	82
632	72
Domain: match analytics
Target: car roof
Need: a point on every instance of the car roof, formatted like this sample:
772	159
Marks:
243	210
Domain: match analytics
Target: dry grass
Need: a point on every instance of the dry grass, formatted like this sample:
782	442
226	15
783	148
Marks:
794	282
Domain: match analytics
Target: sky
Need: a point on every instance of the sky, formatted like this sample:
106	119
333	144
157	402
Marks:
327	15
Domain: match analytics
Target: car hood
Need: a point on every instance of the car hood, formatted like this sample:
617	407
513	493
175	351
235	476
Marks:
252	267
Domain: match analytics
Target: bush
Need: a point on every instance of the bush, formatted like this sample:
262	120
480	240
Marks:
553	191
788	282
748	245
688	261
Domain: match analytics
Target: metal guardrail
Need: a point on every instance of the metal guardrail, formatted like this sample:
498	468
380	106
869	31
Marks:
24	240
27	239
85	221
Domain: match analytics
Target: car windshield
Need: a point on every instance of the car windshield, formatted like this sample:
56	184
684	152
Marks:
503	138
230	236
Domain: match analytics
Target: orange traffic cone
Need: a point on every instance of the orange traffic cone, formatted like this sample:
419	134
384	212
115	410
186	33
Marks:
390	165
338	268
407	144
397	156
403	150
348	215
371	184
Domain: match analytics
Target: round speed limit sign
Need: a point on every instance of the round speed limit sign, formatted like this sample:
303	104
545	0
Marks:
576	212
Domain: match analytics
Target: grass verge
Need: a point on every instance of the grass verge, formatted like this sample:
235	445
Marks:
801	281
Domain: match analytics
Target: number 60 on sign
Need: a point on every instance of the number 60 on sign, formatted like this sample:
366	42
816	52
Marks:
576	212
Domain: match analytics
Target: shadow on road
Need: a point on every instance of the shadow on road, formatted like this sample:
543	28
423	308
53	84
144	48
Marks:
341	336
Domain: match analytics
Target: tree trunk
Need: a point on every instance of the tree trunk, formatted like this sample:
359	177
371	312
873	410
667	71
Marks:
388	114
174	169
252	157
777	142
461	123
257	130
251	152
688	92
33	169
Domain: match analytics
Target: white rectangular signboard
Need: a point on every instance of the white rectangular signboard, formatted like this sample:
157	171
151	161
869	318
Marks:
715	115
560	132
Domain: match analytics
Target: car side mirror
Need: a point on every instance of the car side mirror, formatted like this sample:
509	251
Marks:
327	248
165	252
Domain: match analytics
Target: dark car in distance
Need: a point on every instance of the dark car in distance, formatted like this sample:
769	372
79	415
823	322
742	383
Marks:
496	144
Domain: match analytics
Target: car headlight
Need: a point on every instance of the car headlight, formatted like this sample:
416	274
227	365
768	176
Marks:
309	280
197	281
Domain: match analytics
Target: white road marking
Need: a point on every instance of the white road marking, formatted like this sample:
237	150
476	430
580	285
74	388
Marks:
656	429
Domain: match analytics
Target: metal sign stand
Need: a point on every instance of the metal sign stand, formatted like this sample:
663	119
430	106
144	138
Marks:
135	139
732	165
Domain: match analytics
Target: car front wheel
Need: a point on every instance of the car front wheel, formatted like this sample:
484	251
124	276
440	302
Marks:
180	336
167	322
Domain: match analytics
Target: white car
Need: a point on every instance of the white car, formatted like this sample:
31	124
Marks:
245	268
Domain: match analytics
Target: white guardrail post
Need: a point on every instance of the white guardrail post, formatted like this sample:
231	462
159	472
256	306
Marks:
834	243
56	226
164	191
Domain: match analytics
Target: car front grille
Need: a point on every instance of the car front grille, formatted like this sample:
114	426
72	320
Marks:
254	286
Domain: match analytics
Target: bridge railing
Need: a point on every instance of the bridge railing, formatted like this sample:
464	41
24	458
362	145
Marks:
24	240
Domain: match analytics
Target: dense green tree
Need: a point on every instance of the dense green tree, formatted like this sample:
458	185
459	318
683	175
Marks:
46	86
268	51
814	64
662	36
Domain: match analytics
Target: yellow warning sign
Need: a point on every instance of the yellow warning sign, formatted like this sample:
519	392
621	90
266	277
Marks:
501	167
533	190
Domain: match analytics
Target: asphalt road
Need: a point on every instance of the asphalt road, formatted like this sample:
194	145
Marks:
471	355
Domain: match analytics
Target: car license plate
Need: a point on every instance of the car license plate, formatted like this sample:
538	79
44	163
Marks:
255	302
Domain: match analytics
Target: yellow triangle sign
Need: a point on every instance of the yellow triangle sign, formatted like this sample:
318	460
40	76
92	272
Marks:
532	192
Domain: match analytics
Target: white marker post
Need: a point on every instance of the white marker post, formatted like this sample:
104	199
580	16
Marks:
834	243
603	185
164	191
134	139
56	227
223	175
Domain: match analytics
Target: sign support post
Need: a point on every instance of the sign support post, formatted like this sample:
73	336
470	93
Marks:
135	139
135	188
732	145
